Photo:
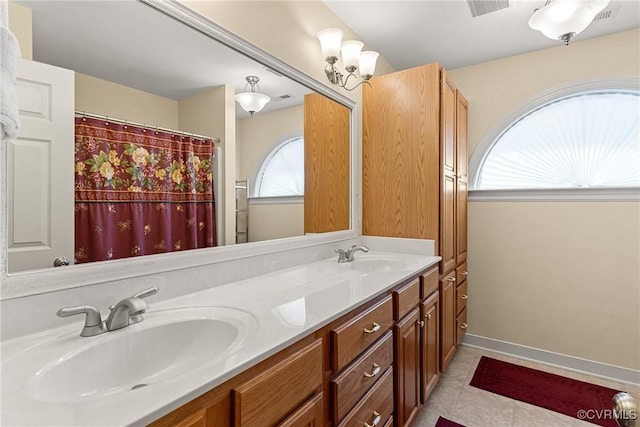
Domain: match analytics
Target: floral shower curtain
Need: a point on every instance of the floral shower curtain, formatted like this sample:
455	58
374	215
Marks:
139	191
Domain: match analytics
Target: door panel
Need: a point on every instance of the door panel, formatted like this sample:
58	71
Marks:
40	169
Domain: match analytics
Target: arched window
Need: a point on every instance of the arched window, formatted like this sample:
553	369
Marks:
585	139
282	172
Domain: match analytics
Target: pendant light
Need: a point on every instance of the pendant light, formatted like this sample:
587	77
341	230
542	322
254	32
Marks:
252	101
563	19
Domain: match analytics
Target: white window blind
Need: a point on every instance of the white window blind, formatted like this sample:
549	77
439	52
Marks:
588	140
282	172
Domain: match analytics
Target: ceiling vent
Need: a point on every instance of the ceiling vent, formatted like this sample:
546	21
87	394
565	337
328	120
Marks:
482	7
607	13
282	97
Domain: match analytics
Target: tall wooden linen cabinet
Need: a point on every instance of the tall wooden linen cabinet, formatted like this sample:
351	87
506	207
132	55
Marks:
415	186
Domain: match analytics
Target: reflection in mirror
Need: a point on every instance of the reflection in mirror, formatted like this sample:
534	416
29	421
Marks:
158	133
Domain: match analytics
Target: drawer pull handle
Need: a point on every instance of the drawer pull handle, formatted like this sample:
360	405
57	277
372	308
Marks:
464	296
451	279
376	371
376	420
464	273
463	326
428	316
420	323
373	330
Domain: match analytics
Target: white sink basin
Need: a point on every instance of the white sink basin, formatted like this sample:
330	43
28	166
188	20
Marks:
166	344
377	264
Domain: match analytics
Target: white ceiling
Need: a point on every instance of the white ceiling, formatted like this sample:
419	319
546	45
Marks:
134	45
411	33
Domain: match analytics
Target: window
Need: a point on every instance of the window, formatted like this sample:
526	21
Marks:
586	139
282	172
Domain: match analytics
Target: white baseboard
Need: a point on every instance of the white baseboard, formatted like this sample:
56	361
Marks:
572	363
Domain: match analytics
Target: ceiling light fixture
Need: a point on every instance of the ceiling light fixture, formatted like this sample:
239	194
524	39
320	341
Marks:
252	101
352	57
563	19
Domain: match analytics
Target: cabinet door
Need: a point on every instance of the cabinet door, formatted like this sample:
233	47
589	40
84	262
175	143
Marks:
430	345
461	325
447	319
308	415
407	334
447	224
447	125
461	168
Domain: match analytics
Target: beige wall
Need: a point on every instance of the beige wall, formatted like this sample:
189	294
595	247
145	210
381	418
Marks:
275	221
558	276
103	97
256	137
20	23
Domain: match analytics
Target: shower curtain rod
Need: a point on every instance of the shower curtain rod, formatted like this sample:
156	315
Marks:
156	128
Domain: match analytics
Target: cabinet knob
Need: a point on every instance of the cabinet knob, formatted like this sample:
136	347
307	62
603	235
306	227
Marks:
451	279
428	316
420	323
464	296
463	326
464	273
376	371
373	330
376	420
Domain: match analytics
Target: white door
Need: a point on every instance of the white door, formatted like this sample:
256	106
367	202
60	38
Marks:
40	169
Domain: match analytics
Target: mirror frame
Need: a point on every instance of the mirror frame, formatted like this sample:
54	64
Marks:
22	284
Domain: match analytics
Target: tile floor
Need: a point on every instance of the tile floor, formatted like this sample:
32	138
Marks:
454	399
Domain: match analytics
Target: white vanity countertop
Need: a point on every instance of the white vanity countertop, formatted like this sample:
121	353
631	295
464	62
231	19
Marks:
282	307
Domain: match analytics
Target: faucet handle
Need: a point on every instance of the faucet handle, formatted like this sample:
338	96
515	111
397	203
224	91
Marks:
146	293
93	324
137	317
342	255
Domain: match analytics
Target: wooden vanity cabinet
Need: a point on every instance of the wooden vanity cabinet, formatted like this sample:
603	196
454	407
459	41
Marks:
374	365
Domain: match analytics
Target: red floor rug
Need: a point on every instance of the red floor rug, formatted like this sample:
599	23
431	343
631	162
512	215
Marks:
577	399
443	422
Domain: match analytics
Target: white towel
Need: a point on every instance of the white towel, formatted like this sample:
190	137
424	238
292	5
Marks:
9	58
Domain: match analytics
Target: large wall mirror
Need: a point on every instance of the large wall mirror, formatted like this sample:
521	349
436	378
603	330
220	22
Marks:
133	143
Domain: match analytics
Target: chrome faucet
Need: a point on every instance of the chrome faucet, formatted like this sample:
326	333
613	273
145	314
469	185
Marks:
347	256
353	249
122	314
125	313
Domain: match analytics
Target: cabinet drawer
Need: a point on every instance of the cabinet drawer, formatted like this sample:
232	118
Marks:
351	384
406	298
293	380
308	415
461	297
461	325
461	273
194	420
349	339
378	402
429	283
